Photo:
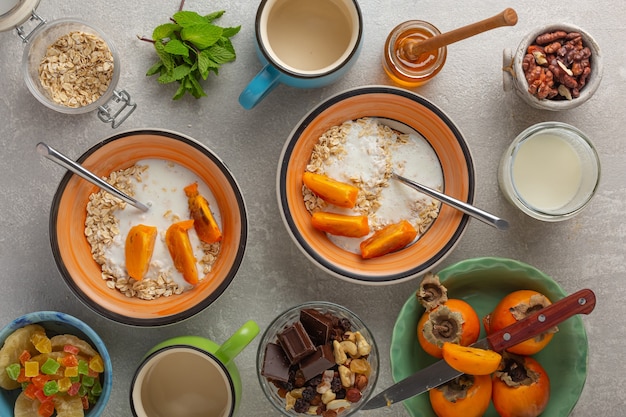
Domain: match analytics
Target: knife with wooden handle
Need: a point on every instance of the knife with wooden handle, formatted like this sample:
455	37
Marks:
580	302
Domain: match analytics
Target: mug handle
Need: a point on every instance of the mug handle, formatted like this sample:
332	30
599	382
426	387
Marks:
260	86
237	342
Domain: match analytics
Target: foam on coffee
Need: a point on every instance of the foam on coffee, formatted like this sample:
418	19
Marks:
182	381
310	36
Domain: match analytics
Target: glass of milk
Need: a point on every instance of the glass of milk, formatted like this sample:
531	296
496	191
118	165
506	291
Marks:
550	171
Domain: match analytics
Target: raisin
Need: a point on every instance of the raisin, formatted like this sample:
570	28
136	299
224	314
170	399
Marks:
341	394
335	384
299	379
301	406
345	324
315	381
308	394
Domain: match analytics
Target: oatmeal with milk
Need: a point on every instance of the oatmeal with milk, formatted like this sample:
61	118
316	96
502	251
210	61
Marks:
167	245
362	154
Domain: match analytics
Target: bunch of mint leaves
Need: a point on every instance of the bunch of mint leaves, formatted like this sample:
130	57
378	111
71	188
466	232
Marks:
189	48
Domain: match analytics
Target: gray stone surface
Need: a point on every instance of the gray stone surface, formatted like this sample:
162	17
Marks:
587	251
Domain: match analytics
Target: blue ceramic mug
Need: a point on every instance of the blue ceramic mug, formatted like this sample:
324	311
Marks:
304	44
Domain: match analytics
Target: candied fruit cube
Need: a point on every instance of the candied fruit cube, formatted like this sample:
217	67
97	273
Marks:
13	371
96	364
46	409
85	401
71	349
50	367
69	360
88	381
30	391
83	367
40	380
71	371
73	390
31	368
22	377
96	390
50	388
64	384
41	342
39	395
24	356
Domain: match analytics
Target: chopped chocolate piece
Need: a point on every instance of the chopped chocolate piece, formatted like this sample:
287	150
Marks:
275	363
296	342
317	325
318	362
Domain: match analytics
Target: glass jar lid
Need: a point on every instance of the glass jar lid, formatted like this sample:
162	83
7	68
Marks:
15	12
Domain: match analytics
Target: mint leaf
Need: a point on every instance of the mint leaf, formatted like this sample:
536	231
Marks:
177	74
201	35
166	58
205	63
196	89
155	69
176	47
186	19
227	44
180	92
220	54
190	49
230	32
165	31
215	15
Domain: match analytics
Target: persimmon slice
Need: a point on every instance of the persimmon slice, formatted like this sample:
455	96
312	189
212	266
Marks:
332	191
470	360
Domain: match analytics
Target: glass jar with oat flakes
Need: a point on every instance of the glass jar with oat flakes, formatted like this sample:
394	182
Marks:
69	65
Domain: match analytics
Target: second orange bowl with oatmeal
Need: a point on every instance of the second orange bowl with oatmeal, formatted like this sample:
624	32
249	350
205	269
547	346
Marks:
181	273
347	147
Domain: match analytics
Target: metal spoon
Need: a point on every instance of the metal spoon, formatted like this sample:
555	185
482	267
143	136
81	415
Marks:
79	170
475	212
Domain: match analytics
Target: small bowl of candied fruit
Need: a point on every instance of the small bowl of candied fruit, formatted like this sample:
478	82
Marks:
53	362
555	67
317	358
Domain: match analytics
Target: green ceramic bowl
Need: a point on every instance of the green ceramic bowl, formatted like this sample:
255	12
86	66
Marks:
482	282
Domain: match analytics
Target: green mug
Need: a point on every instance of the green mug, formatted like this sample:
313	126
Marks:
190	376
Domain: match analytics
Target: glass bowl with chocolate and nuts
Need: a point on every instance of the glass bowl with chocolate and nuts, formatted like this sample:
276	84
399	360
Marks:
317	358
556	67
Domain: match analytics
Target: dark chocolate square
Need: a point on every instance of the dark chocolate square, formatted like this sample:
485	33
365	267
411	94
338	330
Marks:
275	363
296	342
317	325
321	360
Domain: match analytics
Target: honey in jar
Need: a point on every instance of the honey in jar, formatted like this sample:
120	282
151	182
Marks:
404	67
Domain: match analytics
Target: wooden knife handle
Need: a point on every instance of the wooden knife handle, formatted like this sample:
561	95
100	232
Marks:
580	302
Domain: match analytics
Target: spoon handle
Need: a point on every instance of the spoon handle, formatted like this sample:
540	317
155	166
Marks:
67	163
479	214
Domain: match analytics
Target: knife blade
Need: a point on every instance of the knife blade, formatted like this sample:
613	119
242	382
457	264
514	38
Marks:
580	302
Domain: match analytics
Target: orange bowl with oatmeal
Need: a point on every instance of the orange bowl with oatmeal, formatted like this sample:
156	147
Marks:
89	229
358	138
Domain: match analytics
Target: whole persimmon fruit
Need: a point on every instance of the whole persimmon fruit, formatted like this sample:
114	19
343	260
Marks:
466	396
516	306
521	387
455	321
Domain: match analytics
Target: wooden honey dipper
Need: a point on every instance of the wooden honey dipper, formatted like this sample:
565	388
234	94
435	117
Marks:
414	48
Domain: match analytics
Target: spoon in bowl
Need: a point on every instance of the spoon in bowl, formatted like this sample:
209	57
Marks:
64	161
466	208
